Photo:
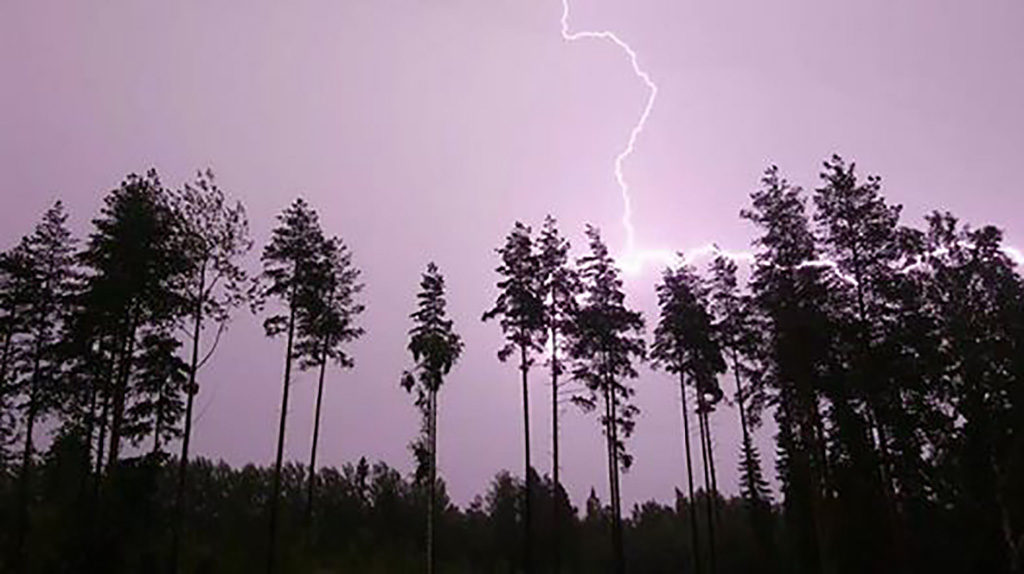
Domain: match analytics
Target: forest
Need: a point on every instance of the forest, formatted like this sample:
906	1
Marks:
889	357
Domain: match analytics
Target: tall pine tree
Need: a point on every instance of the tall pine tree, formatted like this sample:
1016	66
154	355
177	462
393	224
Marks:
607	341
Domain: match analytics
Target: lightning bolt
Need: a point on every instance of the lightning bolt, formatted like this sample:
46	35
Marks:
633	258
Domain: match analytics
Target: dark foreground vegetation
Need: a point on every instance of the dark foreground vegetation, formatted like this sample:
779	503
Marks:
890	357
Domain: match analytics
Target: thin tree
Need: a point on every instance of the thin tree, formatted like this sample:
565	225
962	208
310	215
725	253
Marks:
736	332
684	344
435	348
559	287
49	256
607	340
290	263
520	309
326	325
215	236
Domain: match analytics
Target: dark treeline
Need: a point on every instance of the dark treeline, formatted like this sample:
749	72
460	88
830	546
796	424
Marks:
890	357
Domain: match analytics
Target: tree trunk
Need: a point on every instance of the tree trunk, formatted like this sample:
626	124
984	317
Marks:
121	394
190	391
272	547
611	463
5	358
708	492
689	477
620	559
740	398
26	456
556	509
432	437
527	523
316	436
711	461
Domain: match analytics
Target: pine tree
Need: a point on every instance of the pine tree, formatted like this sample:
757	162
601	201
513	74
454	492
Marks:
161	377
520	307
685	344
435	348
15	286
215	237
977	298
858	232
736	328
559	288
791	296
736	331
135	262
291	261
326	325
607	340
49	266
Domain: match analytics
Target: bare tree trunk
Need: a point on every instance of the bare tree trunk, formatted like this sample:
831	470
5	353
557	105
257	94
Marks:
5	358
707	480
556	509
432	432
689	477
620	559
316	437
191	390
26	457
611	461
121	394
527	523
272	547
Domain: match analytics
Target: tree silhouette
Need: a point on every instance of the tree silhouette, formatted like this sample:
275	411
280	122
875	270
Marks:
48	257
135	263
326	324
685	344
606	341
291	261
791	299
161	378
520	307
16	284
215	237
977	297
559	287
435	348
736	330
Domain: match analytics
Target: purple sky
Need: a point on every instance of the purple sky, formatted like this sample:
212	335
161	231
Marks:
422	130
